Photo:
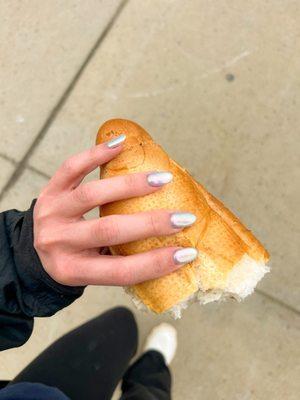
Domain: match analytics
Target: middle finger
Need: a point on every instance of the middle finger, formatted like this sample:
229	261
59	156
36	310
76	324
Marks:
118	229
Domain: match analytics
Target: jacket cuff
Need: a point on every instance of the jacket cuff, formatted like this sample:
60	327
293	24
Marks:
43	295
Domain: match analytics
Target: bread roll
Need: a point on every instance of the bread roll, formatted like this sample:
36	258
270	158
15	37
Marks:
231	260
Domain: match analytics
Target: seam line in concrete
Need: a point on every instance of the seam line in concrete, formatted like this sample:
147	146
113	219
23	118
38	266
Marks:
7	158
278	301
51	117
38	172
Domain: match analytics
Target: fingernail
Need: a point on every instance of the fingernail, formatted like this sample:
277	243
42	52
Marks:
182	219
115	142
159	178
186	255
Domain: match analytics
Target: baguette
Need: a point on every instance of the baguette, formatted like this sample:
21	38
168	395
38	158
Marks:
230	259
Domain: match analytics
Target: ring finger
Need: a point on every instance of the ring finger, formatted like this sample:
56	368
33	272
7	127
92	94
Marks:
117	229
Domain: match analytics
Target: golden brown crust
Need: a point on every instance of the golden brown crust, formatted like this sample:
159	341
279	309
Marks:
254	248
218	235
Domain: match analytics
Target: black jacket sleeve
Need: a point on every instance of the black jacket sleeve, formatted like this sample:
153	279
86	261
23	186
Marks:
26	290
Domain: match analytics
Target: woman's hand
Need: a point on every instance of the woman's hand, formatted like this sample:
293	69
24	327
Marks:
69	246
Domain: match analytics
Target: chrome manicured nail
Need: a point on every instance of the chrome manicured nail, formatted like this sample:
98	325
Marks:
185	255
115	142
182	219
159	178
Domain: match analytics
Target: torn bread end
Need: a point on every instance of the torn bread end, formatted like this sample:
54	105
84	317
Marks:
241	282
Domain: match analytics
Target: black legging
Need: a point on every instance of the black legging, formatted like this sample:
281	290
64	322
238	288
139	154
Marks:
88	362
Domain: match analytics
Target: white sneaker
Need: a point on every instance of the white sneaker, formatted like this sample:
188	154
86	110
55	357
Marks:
163	338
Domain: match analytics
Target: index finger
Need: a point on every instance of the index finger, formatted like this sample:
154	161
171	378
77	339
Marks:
75	168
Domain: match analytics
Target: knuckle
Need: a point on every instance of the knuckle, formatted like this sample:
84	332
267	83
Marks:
42	240
41	213
82	194
68	165
62	272
130	182
108	230
66	268
43	196
159	264
45	206
125	276
154	223
93	153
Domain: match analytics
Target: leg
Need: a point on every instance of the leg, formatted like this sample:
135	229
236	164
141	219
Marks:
147	379
29	391
88	362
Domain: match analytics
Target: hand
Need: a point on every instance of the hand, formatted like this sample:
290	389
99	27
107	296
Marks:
69	246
